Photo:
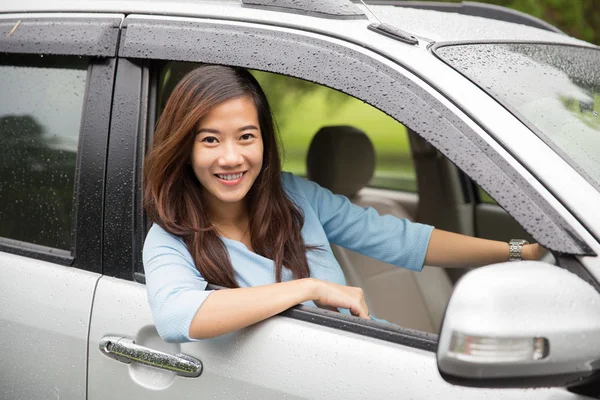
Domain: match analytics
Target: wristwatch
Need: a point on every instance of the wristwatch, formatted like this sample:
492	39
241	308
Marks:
515	247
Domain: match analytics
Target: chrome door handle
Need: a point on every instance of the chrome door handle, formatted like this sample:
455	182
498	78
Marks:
125	350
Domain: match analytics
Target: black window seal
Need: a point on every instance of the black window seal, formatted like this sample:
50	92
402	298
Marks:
36	251
73	35
89	176
91	171
122	191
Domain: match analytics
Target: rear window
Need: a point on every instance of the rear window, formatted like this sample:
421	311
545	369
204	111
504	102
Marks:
41	102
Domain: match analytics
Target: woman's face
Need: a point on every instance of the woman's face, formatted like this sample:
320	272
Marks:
228	151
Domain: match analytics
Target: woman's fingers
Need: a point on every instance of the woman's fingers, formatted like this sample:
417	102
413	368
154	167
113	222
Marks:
360	311
340	296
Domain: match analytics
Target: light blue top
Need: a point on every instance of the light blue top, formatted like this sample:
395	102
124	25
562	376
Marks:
176	289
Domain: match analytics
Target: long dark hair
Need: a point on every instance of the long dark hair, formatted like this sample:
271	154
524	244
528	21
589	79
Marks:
173	197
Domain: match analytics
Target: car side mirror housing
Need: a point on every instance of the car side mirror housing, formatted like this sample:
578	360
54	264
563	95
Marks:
520	325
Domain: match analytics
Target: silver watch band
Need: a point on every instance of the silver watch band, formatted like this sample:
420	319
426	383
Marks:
515	249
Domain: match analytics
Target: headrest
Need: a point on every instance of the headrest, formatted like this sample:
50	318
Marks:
341	159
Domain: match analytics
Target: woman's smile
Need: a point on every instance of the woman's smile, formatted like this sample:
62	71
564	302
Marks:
230	179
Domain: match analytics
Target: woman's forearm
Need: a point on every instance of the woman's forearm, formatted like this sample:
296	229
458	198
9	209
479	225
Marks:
452	250
232	309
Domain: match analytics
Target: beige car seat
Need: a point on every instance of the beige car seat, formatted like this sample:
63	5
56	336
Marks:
342	159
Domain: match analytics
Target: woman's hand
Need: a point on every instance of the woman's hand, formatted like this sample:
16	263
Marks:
533	252
330	295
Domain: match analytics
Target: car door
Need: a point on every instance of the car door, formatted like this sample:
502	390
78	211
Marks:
304	352
56	76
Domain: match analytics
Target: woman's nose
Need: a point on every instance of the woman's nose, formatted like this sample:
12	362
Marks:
231	156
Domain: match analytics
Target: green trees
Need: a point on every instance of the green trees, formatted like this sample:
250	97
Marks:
578	18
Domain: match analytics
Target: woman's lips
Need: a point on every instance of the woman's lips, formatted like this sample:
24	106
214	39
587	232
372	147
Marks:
230	182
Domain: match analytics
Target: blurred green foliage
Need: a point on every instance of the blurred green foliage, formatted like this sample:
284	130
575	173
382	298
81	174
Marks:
301	108
577	18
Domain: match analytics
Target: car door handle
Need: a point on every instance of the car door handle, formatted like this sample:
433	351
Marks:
126	350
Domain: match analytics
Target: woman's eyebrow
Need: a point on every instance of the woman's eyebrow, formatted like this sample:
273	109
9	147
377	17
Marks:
247	127
207	130
217	132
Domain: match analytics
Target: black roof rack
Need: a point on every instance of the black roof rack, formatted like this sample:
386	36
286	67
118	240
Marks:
339	9
475	9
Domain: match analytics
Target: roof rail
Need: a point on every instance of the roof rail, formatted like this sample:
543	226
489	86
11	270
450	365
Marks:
339	9
490	11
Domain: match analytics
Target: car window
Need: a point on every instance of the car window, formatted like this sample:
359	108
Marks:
301	108
484	197
41	104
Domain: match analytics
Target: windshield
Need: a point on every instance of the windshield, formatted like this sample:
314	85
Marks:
553	89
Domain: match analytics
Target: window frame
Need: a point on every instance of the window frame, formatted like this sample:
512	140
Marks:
153	39
165	38
95	36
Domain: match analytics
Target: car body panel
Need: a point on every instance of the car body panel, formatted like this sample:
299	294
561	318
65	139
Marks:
44	320
277	358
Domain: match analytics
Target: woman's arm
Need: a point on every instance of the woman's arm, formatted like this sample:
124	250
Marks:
452	250
228	310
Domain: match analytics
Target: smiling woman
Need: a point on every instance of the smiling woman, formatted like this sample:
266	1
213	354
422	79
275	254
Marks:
225	133
224	213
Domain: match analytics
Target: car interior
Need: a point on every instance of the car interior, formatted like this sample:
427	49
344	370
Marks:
343	158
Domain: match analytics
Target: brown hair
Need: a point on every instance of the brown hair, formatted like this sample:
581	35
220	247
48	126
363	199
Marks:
173	197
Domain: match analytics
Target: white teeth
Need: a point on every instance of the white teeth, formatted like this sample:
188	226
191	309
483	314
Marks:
230	177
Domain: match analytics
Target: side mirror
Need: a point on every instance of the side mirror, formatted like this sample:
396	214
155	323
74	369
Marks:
520	324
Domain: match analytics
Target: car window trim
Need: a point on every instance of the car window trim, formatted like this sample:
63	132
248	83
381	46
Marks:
79	34
36	251
75	34
122	188
86	218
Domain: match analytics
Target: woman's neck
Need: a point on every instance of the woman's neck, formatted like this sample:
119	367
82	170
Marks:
230	220
229	214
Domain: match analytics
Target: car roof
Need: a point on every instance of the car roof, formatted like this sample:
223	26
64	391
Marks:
431	25
450	26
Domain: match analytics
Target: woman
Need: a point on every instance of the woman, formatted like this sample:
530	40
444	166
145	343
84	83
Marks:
224	213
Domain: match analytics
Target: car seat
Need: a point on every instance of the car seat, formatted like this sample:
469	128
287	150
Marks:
342	159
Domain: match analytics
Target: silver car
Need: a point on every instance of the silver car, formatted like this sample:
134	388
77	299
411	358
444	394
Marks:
479	120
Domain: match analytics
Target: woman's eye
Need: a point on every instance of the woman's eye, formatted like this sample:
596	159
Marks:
210	139
247	136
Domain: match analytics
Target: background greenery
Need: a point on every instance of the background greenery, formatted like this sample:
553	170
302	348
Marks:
577	18
301	108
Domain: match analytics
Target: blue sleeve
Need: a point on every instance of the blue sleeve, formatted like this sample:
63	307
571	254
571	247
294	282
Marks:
175	287
384	237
